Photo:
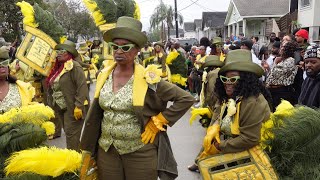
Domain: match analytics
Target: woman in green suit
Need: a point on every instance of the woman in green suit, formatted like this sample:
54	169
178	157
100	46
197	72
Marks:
125	126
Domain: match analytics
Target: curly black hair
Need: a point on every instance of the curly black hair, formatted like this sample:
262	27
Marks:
248	85
204	41
289	49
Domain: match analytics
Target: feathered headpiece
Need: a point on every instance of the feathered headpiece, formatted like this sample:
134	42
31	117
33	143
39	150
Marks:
37	17
108	11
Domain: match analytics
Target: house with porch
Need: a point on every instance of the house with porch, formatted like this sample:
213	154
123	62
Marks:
213	24
255	18
309	18
198	29
189	30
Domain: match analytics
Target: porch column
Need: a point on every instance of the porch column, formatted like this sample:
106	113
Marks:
313	33
229	30
244	27
238	28
233	29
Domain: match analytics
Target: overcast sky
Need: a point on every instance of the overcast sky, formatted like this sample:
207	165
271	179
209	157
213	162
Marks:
194	11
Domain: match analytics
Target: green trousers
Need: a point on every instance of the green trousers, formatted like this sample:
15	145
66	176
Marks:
138	165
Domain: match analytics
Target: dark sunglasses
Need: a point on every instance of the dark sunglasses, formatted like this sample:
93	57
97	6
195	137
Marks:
230	80
124	48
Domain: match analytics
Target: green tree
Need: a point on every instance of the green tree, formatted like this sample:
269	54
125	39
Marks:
164	16
154	36
74	19
11	18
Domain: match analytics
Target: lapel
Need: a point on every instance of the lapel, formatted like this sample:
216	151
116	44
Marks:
140	85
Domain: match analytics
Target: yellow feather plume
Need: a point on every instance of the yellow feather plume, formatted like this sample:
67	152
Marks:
171	57
46	161
28	13
49	127
36	114
96	13
284	109
137	14
62	39
178	79
199	112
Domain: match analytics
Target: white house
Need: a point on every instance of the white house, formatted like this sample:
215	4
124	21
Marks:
309	17
213	24
189	30
198	29
255	18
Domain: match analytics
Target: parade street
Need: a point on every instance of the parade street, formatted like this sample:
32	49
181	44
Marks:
186	141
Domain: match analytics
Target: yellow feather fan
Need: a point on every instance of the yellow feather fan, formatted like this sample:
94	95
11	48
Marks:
172	56
28	13
178	79
284	109
43	161
96	13
49	127
36	114
137	14
199	112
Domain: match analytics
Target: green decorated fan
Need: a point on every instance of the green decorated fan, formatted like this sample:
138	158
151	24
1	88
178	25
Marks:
108	11
37	17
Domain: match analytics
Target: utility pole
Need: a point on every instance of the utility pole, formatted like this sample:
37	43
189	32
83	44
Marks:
176	17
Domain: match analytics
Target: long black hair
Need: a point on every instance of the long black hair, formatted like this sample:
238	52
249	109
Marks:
248	85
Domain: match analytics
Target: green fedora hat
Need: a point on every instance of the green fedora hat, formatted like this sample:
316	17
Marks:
241	60
4	53
159	43
127	28
217	40
212	60
69	46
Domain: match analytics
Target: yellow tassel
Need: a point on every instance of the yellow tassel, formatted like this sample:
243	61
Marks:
178	79
28	13
222	57
36	114
49	127
137	14
95	11
172	56
46	161
199	112
62	39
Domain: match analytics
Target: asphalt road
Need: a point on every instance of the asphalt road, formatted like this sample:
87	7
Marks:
185	140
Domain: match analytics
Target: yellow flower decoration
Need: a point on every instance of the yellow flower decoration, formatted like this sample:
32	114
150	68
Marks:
231	107
152	74
68	65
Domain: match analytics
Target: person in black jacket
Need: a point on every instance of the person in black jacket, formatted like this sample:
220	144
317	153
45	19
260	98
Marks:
310	92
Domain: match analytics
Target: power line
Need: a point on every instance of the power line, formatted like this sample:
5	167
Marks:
193	2
203	7
144	1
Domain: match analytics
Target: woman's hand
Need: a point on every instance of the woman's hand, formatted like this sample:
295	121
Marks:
213	132
150	132
160	121
277	60
77	113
